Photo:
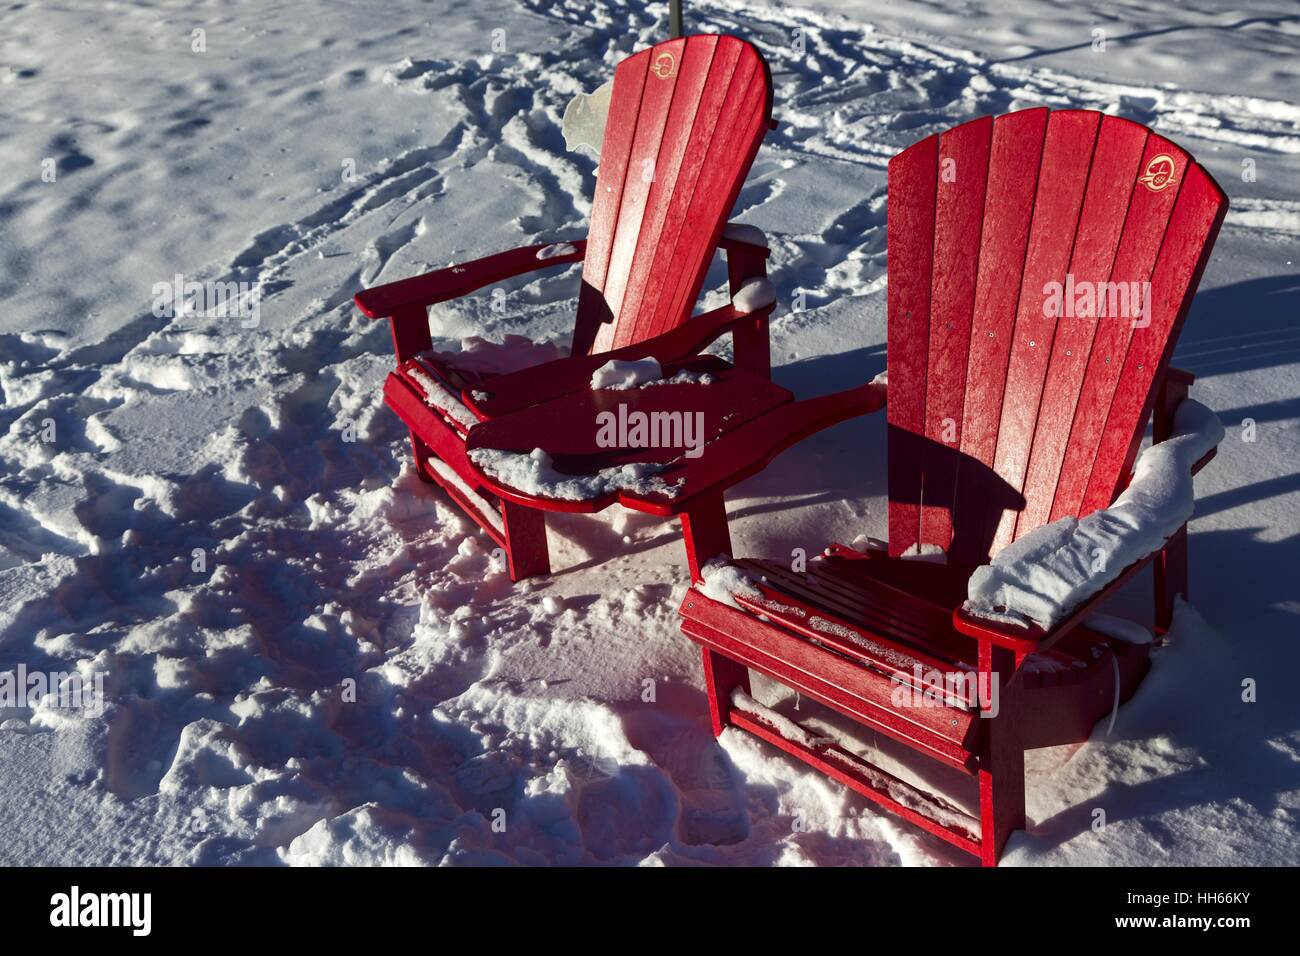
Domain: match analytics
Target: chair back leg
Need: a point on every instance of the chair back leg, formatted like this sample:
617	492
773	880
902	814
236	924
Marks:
751	348
421	453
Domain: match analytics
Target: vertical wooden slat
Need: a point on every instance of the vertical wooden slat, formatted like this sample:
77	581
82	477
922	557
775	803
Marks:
642	168
959	215
913	176
1067	155
718	89
1101	224
1144	232
669	183
1192	228
615	155
739	130
1008	207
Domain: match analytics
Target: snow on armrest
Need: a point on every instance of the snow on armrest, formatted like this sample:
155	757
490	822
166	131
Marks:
1044	575
743	232
755	294
722	581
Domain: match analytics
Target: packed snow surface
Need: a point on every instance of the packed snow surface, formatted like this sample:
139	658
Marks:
1044	575
310	656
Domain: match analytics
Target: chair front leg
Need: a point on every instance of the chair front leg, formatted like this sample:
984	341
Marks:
722	676
1170	578
705	533
750	346
525	534
1002	759
421	452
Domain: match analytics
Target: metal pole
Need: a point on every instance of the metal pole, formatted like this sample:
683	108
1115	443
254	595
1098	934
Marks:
674	19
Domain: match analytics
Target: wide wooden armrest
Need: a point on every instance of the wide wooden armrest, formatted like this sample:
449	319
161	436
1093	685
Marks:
539	383
1033	638
748	449
383	301
1026	640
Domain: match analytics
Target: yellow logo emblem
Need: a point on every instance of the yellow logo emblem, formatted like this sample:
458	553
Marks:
664	66
1159	173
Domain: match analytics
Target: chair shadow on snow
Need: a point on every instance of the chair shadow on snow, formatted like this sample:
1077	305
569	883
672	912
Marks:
1210	346
1235	752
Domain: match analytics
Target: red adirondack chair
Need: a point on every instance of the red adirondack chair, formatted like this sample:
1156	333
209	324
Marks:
685	121
1000	419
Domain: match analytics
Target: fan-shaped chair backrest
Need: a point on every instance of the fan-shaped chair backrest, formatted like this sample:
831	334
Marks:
685	121
1040	267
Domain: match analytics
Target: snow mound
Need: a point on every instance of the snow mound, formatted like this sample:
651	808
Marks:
626	374
1041	577
534	474
366	836
722	581
754	295
511	354
744	232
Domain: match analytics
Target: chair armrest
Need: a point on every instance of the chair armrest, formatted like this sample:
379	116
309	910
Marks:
1026	640
1155	512
384	301
539	383
746	250
747	450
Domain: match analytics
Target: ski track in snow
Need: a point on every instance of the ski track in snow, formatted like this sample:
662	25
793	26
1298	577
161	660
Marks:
201	532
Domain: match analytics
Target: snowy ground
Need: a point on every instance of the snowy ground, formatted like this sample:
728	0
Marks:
230	737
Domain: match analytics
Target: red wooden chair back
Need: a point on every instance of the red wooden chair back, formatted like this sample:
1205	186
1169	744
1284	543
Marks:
1006	412
685	121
